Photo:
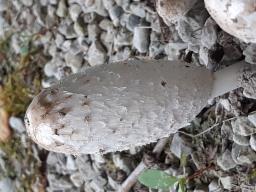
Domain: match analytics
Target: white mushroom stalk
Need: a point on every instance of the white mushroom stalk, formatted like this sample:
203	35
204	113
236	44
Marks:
236	17
113	107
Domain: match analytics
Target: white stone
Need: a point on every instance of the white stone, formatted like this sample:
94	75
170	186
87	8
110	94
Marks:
141	39
227	182
253	142
96	54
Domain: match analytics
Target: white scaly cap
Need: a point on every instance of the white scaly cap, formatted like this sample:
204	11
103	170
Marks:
115	106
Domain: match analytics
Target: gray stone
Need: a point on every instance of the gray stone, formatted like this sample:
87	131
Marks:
209	33
214	186
252	118
227	182
121	55
124	4
89	17
74	11
108	4
250	54
138	9
225	103
123	38
226	131
79	28
17	124
77	179
242	126
253	142
98	183
62	9
67	30
243	155
85	168
96	54
225	161
106	25
3	5
95	6
58	183
59	39
172	50
180	146
27	3
133	21
115	13
93	32
241	140
6	184
74	61
141	39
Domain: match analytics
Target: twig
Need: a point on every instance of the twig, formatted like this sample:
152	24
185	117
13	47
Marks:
207	130
132	178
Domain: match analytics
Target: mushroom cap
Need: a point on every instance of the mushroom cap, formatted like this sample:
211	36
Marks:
113	107
236	17
172	10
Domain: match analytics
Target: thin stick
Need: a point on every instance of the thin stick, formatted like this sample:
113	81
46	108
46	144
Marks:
207	130
132	178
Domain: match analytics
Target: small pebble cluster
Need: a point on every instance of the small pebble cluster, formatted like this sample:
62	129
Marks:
77	34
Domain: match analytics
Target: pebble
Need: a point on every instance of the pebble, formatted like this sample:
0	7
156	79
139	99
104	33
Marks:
226	131
242	126
227	182
62	9
141	39
179	146
74	61
250	54
173	50
3	5
50	69
77	179
138	9
209	33
214	186
115	13
225	161
79	29
27	3
74	11
70	163
96	54
132	22
225	103
241	140
93	32
253	142
242	155
17	124
6	184
121	55
252	118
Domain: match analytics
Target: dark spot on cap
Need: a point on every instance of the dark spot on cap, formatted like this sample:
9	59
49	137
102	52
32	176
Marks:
163	83
161	3
64	111
235	20
87	118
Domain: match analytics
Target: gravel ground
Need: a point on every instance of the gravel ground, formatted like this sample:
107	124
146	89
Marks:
46	40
